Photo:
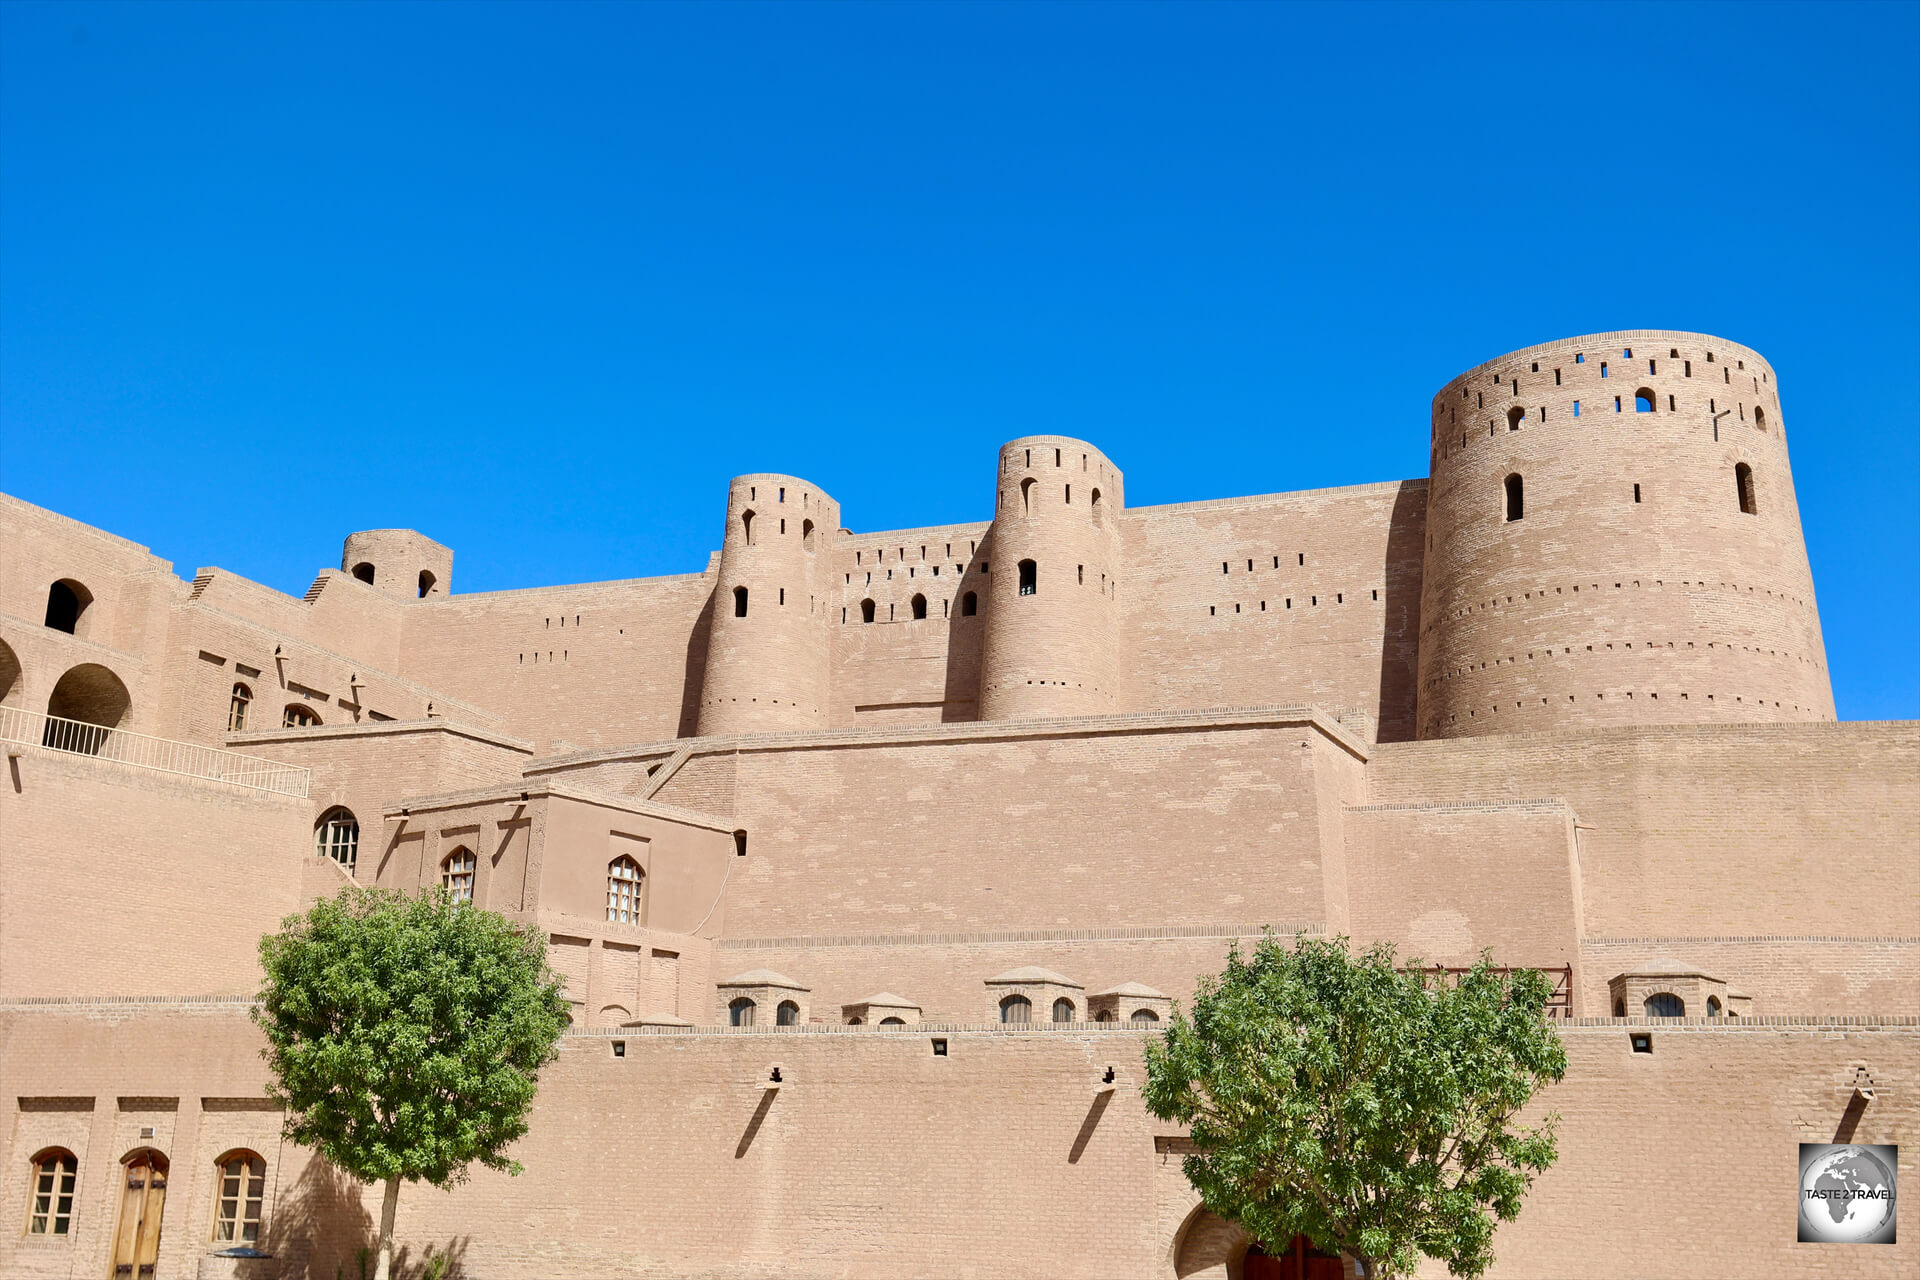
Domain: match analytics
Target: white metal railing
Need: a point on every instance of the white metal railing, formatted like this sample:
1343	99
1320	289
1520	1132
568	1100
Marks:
76	737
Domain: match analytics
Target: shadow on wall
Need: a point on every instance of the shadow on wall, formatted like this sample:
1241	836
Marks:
696	666
1399	647
966	640
323	1228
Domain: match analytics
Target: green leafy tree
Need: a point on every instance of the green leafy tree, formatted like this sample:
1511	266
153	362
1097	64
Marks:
1368	1107
406	1036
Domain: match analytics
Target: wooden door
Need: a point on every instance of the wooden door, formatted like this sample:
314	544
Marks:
136	1244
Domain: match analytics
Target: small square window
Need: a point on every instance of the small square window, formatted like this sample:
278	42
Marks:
619	1048
939	1048
1642	1042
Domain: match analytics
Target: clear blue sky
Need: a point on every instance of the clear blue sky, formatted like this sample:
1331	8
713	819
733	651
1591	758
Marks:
536	281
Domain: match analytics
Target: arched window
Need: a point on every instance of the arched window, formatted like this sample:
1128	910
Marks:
456	874
1759	417
787	1015
1643	400
298	715
1515	416
92	696
806	535
740	1012
1105	1015
746	527
1029	577
66	601
237	708
1713	1006
1144	1018
969	605
623	890
240	1190
337	836
1516	498
1743	483
1026	496
866	611
1665	1005
893	1022
1099	510
1016	1009
919	606
364	572
50	1209
1063	1010
426	583
739	602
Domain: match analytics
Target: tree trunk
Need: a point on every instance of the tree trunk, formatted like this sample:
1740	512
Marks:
390	1205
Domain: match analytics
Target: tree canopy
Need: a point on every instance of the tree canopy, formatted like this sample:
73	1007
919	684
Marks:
1368	1107
406	1034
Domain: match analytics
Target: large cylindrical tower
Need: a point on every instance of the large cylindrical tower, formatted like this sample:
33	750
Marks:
1052	633
1613	539
768	651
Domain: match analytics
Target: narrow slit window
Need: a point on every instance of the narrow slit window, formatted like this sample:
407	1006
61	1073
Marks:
1516	499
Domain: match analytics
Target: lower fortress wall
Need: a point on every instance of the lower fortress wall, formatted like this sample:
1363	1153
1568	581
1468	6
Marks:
875	1158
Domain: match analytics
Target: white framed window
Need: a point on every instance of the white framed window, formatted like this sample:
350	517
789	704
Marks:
50	1207
337	836
240	1188
623	891
237	708
456	873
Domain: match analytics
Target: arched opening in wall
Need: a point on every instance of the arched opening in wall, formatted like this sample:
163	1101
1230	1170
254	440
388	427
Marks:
919	606
787	1014
625	882
746	527
1643	400
1665	1004
237	704
85	706
1759	417
1515	416
364	572
969	605
1016	1009
1619	1008
298	715
1713	1006
337	836
1026	496
856	1020
456	874
1301	1260
739	602
1063	1010
739	844
136	1240
893	1022
67	601
1106	1015
1099	510
11	673
866	611
1516	497
1743	484
740	1012
806	535
426	582
1144	1018
239	1194
51	1192
1029	577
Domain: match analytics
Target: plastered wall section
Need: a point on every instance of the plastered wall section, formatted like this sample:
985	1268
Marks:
1054	827
166	887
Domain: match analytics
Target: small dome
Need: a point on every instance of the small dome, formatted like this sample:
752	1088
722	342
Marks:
1033	973
890	1000
761	978
1134	991
1668	968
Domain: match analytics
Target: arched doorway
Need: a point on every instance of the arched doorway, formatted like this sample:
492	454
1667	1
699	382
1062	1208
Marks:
1301	1261
11	682
136	1241
93	701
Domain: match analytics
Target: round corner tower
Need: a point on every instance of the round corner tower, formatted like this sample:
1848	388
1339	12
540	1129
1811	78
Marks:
400	562
1613	539
768	652
1052	645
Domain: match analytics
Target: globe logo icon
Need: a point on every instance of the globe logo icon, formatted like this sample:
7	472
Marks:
1847	1194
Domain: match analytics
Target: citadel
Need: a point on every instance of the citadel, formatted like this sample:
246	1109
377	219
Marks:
872	859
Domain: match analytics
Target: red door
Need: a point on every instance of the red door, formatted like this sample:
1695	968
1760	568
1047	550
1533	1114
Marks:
1301	1261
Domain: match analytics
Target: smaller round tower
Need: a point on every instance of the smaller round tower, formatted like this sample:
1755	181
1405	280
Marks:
400	562
1052	633
768	650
